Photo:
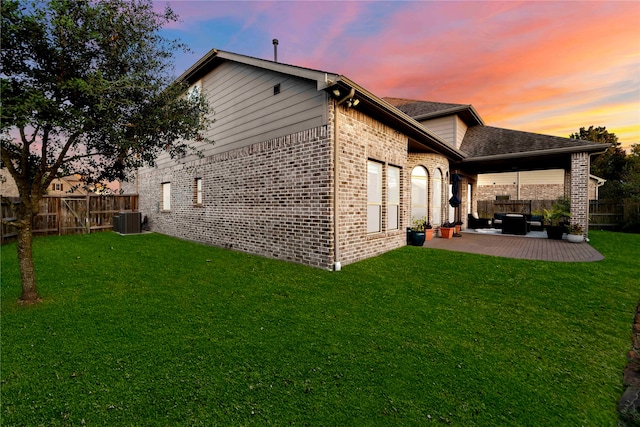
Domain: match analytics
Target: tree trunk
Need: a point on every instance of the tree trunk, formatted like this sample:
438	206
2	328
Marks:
25	259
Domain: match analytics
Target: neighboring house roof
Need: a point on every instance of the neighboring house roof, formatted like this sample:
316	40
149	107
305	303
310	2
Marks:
425	110
339	87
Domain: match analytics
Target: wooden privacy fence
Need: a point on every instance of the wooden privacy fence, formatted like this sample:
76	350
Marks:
70	214
486	208
603	214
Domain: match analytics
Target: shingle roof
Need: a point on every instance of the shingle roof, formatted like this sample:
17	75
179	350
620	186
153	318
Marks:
415	108
424	110
482	141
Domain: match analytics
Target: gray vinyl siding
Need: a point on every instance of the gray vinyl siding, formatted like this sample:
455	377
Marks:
245	109
461	130
444	127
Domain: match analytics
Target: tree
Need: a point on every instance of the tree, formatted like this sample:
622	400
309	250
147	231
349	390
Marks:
611	165
632	181
87	88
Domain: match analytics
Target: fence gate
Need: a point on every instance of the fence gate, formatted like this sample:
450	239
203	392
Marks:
74	215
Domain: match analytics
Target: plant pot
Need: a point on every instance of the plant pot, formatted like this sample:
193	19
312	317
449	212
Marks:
555	232
458	228
446	232
575	238
417	238
428	233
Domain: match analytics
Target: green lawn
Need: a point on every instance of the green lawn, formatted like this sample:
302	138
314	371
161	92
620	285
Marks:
148	330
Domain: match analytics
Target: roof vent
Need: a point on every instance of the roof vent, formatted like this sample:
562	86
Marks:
275	50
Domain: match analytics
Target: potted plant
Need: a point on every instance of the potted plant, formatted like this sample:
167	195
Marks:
420	231
575	234
458	228
447	229
555	219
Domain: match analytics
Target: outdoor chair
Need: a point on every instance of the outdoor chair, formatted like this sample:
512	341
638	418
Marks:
515	224
475	222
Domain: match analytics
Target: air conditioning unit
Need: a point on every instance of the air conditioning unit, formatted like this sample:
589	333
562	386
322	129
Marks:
127	222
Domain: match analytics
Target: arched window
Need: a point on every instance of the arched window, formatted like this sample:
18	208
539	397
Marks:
419	193
437	197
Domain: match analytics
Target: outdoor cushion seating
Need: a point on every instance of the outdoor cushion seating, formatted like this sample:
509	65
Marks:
535	222
497	220
515	224
475	222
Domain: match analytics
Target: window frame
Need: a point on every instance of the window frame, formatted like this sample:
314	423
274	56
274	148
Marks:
165	196
414	205
393	197
374	205
198	192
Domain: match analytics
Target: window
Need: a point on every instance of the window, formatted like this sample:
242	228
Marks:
197	191
393	197
166	196
374	200
419	193
437	197
276	89
56	187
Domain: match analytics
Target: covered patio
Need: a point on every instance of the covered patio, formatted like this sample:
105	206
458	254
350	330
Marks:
511	246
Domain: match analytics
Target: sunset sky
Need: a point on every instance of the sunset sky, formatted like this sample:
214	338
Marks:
539	66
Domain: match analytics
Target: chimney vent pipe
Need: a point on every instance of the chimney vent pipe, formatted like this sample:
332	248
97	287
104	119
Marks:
275	50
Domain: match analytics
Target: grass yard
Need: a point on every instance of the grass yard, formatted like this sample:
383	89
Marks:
147	330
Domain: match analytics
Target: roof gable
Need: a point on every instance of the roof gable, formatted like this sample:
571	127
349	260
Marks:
424	110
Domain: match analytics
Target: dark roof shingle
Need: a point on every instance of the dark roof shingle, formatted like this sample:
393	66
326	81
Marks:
482	141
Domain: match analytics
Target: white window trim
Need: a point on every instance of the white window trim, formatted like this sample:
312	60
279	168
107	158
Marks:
373	204
393	198
197	192
165	199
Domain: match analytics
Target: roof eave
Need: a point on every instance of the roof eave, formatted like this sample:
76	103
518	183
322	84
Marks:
205	64
471	114
404	122
592	149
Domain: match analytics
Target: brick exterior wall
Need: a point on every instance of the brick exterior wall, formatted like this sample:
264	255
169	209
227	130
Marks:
579	192
272	198
530	191
430	162
275	198
362	139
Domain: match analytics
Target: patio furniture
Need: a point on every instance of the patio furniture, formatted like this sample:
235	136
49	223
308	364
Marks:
535	222
515	224
476	222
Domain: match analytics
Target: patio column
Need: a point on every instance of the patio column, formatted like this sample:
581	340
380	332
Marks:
580	190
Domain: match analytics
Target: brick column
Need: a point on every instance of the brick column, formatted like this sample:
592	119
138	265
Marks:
580	190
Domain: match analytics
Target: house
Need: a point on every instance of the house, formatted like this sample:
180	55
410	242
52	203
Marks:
67	185
63	186
308	166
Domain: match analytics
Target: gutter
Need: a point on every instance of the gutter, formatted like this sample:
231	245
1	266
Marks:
564	150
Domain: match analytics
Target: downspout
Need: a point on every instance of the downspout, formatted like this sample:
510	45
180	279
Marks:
336	180
336	188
